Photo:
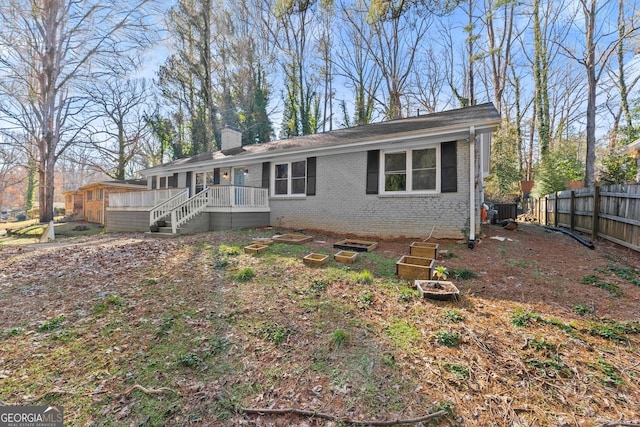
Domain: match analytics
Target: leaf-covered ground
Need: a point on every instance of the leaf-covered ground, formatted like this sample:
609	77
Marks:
123	329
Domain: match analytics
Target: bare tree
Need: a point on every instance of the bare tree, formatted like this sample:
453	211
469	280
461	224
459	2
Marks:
355	64
12	170
119	124
601	41
500	40
431	81
51	48
397	34
621	86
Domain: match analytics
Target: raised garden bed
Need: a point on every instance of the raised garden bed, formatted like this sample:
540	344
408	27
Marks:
413	267
437	289
315	260
263	241
346	257
424	249
356	245
295	239
255	248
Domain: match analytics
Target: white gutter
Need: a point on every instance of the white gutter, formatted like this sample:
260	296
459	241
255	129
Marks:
472	187
481	148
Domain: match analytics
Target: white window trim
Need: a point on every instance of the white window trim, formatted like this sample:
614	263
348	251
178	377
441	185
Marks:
409	170
166	181
272	179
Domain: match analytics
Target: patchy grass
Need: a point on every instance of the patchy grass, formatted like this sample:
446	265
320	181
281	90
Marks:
595	280
169	334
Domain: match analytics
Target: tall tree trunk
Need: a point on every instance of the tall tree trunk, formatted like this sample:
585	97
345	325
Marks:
592	81
540	71
622	84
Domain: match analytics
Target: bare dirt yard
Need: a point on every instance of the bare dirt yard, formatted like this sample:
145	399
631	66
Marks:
124	329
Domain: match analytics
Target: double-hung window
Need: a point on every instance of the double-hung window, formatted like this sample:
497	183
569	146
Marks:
410	170
290	178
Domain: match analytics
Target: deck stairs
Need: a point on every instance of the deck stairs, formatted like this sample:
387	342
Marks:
182	214
171	218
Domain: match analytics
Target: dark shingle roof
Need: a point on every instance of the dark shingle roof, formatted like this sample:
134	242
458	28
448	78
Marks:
461	117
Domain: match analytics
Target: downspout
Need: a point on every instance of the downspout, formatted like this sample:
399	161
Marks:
472	187
481	150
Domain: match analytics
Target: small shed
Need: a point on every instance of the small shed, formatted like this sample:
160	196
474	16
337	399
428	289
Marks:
95	197
73	203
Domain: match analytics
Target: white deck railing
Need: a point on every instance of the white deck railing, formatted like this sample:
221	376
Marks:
221	196
189	209
142	199
235	196
163	210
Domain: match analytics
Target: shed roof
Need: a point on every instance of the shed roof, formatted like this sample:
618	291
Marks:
127	183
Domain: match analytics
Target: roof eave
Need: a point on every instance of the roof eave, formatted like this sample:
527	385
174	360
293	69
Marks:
458	131
631	148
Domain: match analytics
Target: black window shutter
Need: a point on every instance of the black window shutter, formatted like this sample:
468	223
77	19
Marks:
311	176
174	182
189	183
266	170
448	167
373	166
216	176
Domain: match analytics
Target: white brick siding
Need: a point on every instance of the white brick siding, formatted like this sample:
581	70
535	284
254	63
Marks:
341	204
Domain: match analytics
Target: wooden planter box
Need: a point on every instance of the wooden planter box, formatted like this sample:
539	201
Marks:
255	248
437	289
315	260
263	241
413	267
295	239
424	249
346	257
356	245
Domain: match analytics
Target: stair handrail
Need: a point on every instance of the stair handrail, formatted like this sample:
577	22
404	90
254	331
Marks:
189	209
163	209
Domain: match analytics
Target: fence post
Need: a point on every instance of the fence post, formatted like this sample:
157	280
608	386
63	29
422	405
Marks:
572	210
539	210
546	210
596	211
555	209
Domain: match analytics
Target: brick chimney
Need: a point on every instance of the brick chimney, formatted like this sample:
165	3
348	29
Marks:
230	139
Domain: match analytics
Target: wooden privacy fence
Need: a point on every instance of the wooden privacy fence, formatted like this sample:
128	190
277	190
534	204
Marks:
610	212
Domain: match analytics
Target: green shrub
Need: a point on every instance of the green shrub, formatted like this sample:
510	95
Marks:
582	309
460	371
51	324
463	274
190	360
276	334
366	299
453	316
364	277
447	338
339	338
245	274
226	250
522	318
